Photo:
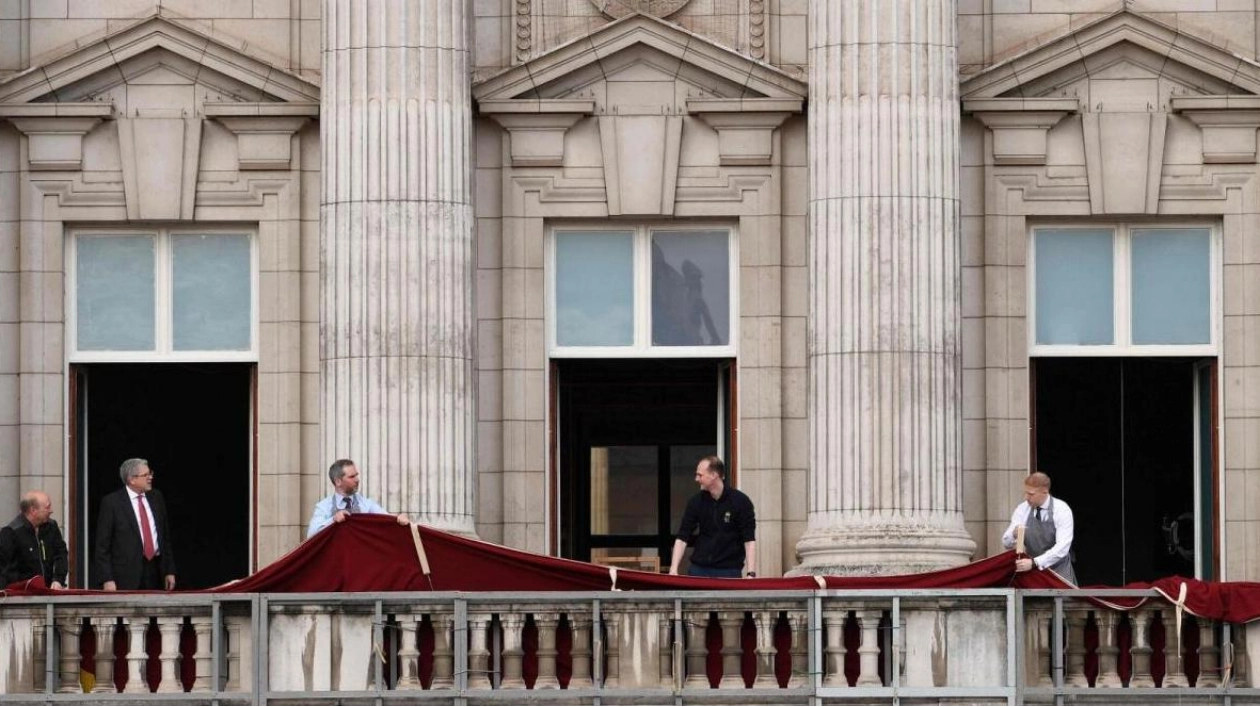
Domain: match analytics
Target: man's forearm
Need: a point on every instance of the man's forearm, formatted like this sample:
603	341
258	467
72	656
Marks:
680	547
750	555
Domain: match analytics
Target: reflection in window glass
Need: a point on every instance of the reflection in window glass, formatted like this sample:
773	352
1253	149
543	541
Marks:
594	289
211	292
1074	282
114	299
623	490
690	288
1172	286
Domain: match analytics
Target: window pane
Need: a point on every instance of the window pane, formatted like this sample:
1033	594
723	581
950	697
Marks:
623	490
1074	287
595	289
691	288
211	292
683	459
1172	286
114	293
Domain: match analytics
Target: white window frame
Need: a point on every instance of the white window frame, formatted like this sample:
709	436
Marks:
163	299
642	300
1122	292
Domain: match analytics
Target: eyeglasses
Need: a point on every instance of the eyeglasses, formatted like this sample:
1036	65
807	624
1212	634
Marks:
149	475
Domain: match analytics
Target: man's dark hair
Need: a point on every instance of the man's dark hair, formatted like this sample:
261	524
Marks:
715	465
338	469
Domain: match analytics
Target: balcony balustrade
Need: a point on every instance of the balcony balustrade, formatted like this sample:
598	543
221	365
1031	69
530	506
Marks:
985	645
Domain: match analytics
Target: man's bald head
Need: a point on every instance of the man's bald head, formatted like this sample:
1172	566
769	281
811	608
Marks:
36	507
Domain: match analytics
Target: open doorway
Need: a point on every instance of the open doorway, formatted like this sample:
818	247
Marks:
194	423
1130	444
631	433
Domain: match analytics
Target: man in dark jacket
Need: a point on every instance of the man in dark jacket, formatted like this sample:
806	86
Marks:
32	546
133	538
721	525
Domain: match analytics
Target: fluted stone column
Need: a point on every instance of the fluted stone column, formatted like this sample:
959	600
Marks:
884	311
396	321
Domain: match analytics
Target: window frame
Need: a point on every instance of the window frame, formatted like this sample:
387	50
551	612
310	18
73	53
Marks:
163	300
1122	292
642	347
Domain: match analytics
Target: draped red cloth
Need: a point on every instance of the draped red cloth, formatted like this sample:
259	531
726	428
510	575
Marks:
372	553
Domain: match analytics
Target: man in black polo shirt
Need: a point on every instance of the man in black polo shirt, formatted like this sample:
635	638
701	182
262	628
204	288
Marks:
722	525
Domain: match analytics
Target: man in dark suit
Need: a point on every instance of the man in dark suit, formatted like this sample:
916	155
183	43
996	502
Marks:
133	539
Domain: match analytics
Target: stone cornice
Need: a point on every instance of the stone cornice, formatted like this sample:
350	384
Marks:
1228	123
745	126
536	127
1020	125
55	131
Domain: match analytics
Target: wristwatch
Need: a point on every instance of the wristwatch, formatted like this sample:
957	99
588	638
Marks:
751	574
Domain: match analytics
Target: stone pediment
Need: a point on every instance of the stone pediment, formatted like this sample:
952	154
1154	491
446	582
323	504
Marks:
645	50
1121	47
158	51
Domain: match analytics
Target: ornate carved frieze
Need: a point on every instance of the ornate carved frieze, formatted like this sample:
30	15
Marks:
658	8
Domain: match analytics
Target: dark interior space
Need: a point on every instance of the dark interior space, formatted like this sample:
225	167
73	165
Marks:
662	416
1116	436
193	423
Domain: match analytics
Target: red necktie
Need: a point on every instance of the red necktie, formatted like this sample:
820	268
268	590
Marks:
146	532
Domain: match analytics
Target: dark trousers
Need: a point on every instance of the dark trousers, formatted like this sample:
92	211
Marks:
151	574
721	572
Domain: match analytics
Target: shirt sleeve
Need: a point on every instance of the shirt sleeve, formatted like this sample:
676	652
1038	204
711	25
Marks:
60	555
1064	529
370	506
748	522
690	519
321	518
1018	518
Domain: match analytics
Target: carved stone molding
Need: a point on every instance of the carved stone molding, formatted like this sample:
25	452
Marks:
1020	125
536	128
744	126
264	131
1228	123
54	131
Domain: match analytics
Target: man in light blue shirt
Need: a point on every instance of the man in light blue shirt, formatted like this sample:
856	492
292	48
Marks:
345	499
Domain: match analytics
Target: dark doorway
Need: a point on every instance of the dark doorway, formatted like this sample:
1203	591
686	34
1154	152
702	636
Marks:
1118	438
193	422
631	434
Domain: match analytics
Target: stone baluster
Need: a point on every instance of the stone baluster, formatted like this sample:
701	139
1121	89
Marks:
834	649
202	656
1242	676
665	659
68	665
1174	669
137	657
170	627
1141	650
1209	655
513	654
39	648
105	626
547	623
235	638
766	651
443	653
868	622
612	649
697	648
408	653
799	623
1074	668
732	623
580	626
1108	649
478	653
1043	647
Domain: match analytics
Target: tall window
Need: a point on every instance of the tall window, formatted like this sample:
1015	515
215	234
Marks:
1124	290
642	291
175	295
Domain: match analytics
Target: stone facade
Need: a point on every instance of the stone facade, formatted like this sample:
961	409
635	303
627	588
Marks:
327	130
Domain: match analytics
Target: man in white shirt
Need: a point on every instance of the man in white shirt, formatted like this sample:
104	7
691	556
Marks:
345	499
1049	528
